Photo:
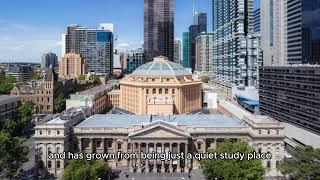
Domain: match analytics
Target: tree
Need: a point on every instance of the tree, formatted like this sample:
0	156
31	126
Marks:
9	126
205	79
305	163
2	76
7	84
25	114
86	170
36	76
81	77
233	169
13	153
59	103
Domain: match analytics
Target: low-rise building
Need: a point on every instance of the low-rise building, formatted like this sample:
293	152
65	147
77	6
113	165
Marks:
95	98
9	106
22	72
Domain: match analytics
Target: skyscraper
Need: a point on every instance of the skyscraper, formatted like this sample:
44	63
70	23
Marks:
256	21
204	53
177	51
199	26
185	50
49	59
94	45
158	29
71	66
303	31
274	32
235	51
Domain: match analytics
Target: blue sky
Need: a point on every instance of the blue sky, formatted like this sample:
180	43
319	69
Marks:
31	27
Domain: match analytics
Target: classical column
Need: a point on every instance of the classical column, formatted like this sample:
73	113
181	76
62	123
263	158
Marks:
139	159
186	169
91	145
131	169
155	160
102	144
178	161
170	163
162	162
114	144
147	160
80	144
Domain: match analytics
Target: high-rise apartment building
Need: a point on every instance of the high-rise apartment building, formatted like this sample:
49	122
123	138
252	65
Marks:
256	20
177	51
291	94
71	66
94	45
185	50
204	52
158	29
49	59
235	60
199	26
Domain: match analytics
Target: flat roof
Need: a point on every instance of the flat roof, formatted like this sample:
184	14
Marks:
6	99
126	120
113	121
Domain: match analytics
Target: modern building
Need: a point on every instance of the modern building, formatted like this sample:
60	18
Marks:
177	51
9	107
185	50
135	59
132	134
303	32
256	22
71	66
49	59
94	45
291	94
236	48
158	29
199	26
204	53
273	32
95	99
160	85
22	72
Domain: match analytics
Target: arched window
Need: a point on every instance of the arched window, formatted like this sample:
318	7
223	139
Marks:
58	164
58	132
147	91
160	91
40	132
166	91
154	91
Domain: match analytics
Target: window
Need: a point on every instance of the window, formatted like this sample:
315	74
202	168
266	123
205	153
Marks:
58	164
166	91
119	145
268	131
40	132
109	144
259	131
98	144
277	131
147	91
58	132
259	150
160	91
154	91
199	145
277	164
49	164
49	150
268	164
173	91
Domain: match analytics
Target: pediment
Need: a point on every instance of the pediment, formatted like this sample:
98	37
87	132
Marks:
159	130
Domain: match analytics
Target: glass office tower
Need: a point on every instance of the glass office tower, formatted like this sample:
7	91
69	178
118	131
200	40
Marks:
158	29
185	50
303	28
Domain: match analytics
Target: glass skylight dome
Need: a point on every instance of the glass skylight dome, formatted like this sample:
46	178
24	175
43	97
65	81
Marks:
161	67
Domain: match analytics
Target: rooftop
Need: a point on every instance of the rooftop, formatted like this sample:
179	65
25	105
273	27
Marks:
8	99
125	120
161	67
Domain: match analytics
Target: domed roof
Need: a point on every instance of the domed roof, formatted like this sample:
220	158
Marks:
161	67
